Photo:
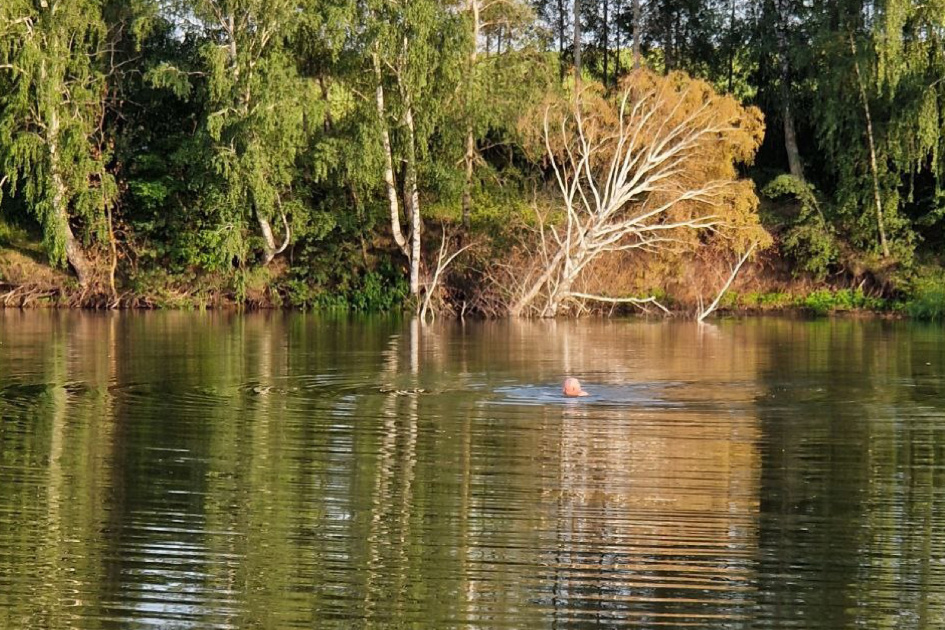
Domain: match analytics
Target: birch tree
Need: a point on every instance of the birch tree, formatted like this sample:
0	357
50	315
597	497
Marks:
416	49
260	110
652	171
52	89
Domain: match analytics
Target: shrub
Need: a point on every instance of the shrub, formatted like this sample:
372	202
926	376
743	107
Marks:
927	299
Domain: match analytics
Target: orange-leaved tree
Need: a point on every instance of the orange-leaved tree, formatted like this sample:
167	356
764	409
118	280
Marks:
651	169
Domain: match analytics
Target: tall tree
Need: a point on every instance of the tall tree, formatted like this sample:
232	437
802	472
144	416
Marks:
417	52
260	110
877	72
646	172
52	105
782	28
488	96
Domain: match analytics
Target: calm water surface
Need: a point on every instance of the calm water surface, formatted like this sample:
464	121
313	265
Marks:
172	470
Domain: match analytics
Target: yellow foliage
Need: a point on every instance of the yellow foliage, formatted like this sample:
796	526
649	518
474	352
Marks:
655	163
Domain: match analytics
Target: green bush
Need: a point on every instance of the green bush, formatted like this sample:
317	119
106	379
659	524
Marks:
927	299
824	301
809	239
766	301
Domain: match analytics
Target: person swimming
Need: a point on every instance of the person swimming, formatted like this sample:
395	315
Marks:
572	388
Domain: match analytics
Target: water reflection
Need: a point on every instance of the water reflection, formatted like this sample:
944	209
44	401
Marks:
275	471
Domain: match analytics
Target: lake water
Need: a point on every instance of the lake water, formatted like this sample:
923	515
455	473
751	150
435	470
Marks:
185	470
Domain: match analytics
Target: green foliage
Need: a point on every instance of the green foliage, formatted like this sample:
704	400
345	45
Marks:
809	239
775	300
11	235
819	302
52	86
180	127
824	301
926	298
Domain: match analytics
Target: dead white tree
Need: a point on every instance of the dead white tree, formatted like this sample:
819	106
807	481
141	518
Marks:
630	179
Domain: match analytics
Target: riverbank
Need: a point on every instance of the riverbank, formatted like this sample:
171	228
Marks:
26	281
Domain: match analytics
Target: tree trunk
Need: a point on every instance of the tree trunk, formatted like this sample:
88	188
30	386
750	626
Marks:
790	136
469	158
606	39
561	38
618	47
269	241
388	161
412	190
470	155
519	307
75	256
874	167
577	41
637	33
731	47
231	27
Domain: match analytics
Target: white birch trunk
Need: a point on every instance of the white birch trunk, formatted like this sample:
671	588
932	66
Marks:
874	168
415	222
389	181
470	155
75	256
269	241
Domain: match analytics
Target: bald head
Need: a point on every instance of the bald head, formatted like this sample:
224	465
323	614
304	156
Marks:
572	388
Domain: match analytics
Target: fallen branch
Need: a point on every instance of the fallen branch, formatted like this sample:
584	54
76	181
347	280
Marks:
641	302
705	313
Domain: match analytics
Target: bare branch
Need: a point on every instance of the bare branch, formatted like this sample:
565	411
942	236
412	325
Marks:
627	300
442	262
630	178
705	312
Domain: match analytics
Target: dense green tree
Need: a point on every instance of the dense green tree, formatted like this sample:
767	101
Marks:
877	115
53	75
260	113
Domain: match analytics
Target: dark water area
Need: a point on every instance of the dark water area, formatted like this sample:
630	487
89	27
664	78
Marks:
184	470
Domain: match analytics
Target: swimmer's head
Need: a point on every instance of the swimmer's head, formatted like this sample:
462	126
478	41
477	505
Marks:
572	388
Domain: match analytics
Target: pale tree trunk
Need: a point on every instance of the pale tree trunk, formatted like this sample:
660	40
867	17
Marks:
577	41
75	256
269	242
790	136
518	308
637	33
470	159
231	32
874	168
470	156
415	223
388	161
270	249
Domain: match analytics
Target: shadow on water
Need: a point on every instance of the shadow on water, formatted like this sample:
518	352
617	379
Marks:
292	471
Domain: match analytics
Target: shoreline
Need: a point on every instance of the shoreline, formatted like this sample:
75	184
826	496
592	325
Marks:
812	304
